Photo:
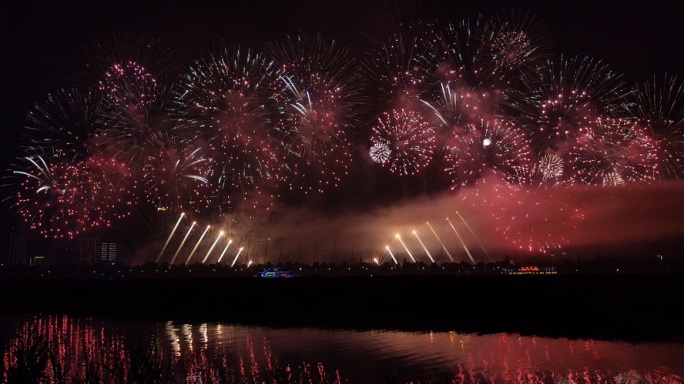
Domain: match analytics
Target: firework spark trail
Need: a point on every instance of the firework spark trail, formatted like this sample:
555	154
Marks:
403	142
391	254
406	248
182	242
462	242
61	198
197	244
224	251
315	102
220	109
63	123
474	235
169	238
423	245
440	241
212	247
659	105
236	257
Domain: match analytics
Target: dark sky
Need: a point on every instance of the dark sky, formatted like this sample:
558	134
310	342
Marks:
42	40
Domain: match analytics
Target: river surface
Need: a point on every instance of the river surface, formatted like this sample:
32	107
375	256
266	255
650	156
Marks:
231	353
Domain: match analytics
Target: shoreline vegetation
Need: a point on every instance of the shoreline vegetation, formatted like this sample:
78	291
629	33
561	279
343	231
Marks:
633	307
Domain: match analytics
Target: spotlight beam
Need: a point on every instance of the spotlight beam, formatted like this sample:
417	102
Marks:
212	247
406	248
169	238
462	242
423	245
224	251
182	242
392	255
236	257
440	241
474	235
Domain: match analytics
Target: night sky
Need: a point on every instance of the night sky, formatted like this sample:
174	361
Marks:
43	41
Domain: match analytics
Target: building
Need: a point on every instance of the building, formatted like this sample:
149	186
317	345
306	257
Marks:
16	251
109	252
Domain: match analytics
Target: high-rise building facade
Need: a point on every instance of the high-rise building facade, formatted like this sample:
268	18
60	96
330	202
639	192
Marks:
109	251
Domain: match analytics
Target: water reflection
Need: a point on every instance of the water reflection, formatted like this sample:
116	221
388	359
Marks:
62	349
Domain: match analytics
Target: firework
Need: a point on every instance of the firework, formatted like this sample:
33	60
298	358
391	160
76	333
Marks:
475	105
64	123
484	54
135	136
532	218
116	61
615	147
177	180
220	108
659	105
405	67
410	141
380	152
453	108
550	167
315	104
63	199
613	179
496	146
558	99
129	87
133	73
518	41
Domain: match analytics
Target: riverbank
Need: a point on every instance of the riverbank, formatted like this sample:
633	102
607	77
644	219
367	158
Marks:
611	307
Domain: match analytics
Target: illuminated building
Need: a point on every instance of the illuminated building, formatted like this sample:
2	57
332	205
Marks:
109	251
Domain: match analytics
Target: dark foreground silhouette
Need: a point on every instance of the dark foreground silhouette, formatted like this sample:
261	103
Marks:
614	307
